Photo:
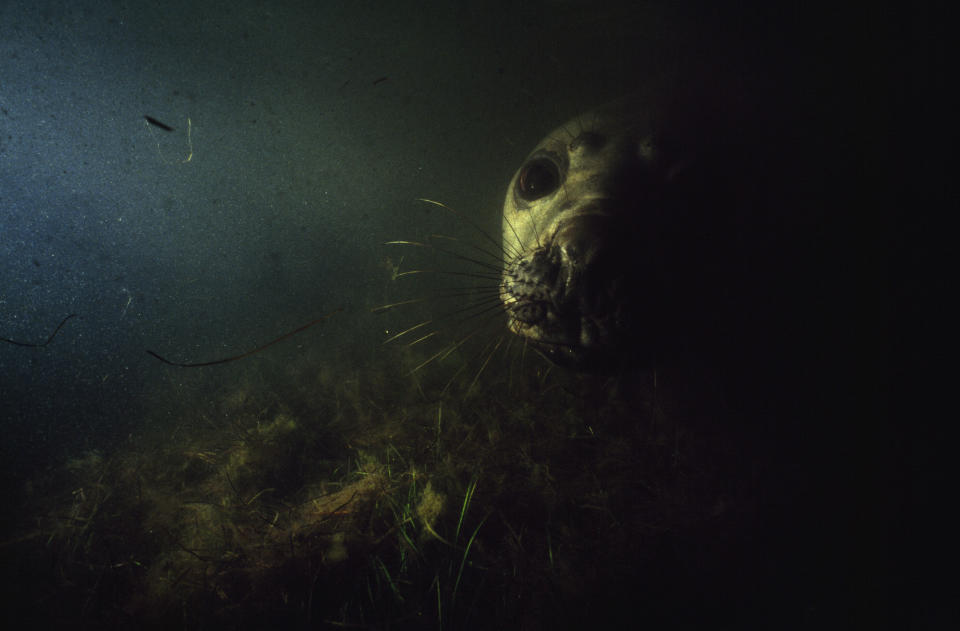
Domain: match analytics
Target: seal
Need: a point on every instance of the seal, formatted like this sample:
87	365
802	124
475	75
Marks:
603	225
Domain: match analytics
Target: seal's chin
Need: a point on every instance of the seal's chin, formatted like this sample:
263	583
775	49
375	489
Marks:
557	345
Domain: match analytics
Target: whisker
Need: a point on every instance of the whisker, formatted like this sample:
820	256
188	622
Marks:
458	345
410	330
487	301
485	306
516	254
495	243
453	378
498	258
493	306
471	289
484	366
443	353
425	337
413	272
404	242
466	292
448	320
461	257
462	367
473	305
480	291
393	305
425	363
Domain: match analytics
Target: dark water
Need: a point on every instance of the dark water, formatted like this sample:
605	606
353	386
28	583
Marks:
302	135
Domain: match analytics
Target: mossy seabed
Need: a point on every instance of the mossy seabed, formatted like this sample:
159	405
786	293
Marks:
536	501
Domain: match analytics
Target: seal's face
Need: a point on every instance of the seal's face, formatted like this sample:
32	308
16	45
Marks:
580	233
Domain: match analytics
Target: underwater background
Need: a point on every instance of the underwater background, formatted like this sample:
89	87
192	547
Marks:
198	178
311	130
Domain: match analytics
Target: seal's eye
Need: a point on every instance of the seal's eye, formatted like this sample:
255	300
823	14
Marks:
538	178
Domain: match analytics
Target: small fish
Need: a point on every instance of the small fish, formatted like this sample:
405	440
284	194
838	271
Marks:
156	123
380	80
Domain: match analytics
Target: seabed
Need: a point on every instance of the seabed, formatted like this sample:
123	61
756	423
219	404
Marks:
535	501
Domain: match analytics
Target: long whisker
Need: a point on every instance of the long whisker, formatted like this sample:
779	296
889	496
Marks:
418	244
393	305
493	305
495	243
451	292
474	305
473	289
469	292
410	330
498	258
445	352
453	378
462	367
515	252
412	272
478	309
425	337
483	366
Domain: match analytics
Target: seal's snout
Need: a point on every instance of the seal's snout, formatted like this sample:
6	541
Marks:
528	288
566	282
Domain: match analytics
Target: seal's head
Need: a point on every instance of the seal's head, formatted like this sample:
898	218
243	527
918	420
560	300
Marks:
584	233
